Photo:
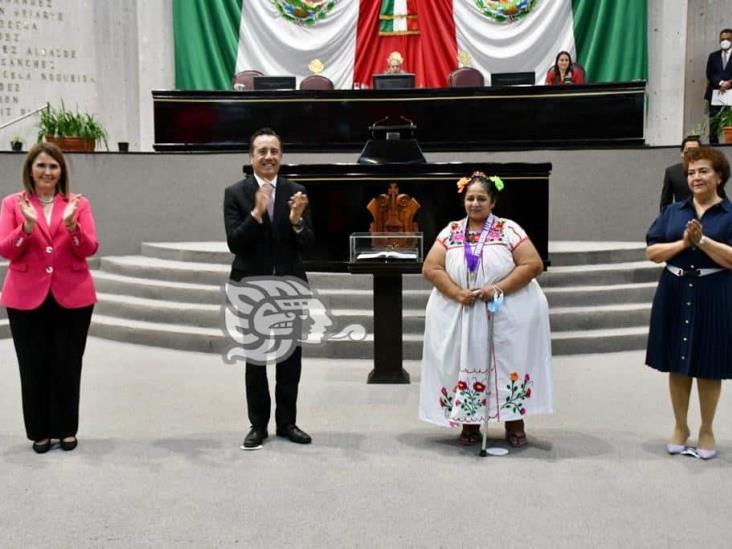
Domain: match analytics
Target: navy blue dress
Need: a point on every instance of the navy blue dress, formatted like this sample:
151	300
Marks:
691	319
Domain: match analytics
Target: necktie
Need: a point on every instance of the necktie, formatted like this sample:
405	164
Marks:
725	59
269	190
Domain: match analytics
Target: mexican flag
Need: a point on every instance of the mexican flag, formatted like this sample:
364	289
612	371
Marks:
349	40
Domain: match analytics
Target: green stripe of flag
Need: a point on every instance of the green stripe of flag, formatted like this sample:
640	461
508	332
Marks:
206	41
386	16
611	37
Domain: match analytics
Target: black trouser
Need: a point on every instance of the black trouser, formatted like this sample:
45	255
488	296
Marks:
259	402
49	343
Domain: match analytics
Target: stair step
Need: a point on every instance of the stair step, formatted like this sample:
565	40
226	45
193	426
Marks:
171	295
212	340
564	253
599	341
166	269
601	274
600	295
196	252
151	288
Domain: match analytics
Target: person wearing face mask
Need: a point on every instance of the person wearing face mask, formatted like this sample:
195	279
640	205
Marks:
719	77
487	346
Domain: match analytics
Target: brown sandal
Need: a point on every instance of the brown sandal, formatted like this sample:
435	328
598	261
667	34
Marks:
470	438
516	436
517	439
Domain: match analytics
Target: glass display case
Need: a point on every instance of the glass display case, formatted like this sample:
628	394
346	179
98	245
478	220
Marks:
386	247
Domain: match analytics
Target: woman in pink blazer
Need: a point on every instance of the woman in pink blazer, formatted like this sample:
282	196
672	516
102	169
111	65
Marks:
47	233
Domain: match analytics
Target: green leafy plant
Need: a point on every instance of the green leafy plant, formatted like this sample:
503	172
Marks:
61	122
724	117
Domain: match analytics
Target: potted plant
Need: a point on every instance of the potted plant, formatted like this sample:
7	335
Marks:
724	122
16	143
71	131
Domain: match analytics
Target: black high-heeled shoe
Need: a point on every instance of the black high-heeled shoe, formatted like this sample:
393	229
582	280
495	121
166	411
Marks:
42	447
68	445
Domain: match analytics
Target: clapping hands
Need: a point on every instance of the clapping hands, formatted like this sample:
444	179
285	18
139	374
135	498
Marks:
29	213
297	203
693	232
69	215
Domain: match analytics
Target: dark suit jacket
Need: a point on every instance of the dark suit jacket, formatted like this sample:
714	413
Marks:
272	247
675	186
715	72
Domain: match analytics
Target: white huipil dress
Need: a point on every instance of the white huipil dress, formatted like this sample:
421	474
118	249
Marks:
459	382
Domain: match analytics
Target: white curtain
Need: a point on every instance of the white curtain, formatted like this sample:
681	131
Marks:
278	47
530	44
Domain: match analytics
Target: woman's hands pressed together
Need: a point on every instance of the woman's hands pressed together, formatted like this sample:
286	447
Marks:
693	232
467	296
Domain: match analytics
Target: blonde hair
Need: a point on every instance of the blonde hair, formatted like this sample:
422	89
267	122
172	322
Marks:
396	56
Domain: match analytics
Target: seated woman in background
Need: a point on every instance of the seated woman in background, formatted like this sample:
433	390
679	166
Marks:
564	71
394	63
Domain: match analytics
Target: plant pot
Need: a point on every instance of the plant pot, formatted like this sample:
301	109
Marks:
16	146
727	131
73	144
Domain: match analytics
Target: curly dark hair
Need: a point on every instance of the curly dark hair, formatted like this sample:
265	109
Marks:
716	158
486	184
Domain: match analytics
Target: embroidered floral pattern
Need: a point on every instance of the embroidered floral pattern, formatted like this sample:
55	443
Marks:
457	237
467	397
519	391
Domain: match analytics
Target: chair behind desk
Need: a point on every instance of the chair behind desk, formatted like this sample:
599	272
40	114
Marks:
465	77
244	80
316	82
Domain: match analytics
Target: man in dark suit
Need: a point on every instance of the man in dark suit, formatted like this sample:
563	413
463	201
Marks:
719	77
675	185
266	230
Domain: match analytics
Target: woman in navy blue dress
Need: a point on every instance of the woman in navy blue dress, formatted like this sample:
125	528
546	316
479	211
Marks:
691	320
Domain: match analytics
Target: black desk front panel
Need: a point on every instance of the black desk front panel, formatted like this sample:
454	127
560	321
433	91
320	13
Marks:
339	193
447	118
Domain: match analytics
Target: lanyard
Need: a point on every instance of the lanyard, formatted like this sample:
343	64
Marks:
472	258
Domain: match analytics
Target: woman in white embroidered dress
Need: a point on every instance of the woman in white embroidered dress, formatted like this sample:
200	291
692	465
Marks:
472	265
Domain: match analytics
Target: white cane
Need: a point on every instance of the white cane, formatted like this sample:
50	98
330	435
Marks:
496	301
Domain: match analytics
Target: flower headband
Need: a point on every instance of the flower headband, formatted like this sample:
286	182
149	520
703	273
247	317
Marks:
463	181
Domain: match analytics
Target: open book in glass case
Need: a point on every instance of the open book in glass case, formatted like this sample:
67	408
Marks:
386	247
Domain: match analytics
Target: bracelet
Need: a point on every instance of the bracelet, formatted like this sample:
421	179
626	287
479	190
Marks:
702	240
497	292
299	224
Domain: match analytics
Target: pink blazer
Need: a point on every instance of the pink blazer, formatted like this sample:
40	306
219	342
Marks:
50	259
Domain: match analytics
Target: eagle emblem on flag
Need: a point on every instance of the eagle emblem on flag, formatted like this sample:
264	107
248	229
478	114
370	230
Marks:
304	12
505	11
